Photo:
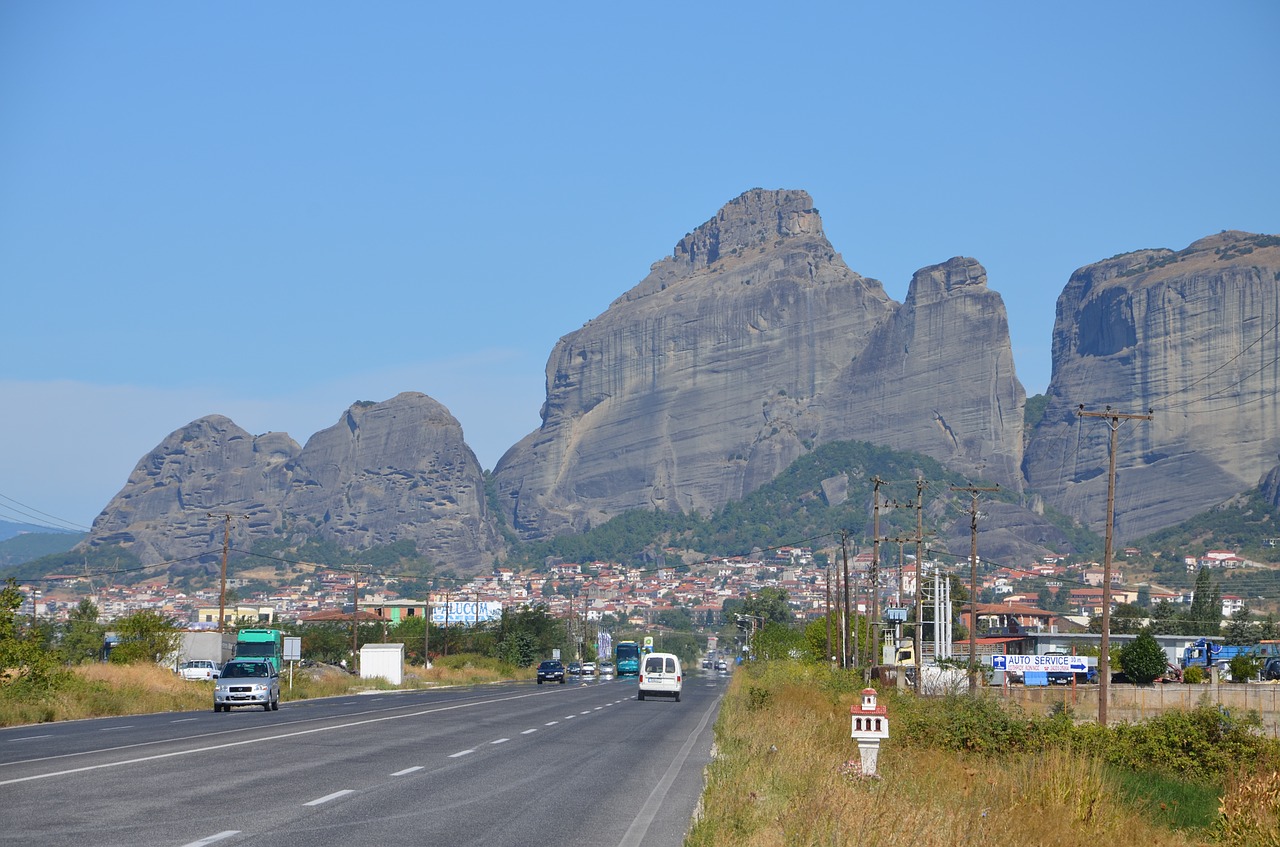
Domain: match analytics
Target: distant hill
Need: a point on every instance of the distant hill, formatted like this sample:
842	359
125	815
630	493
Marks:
20	543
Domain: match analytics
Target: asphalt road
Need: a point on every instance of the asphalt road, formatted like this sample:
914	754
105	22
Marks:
579	764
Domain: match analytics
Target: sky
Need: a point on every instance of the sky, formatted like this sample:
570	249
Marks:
271	211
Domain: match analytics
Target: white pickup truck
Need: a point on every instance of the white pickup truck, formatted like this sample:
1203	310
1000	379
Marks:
199	669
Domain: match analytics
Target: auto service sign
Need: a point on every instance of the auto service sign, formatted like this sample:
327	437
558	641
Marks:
1022	664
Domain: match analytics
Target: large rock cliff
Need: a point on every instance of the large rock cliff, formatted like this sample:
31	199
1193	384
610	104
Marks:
1190	335
743	350
937	378
385	472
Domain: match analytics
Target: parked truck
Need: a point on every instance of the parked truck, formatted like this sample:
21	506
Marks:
1205	652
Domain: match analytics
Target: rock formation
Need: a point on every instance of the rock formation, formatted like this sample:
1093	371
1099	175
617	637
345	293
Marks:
1191	335
746	348
385	472
937	378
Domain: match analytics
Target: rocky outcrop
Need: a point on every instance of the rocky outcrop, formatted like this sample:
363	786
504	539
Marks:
171	507
392	471
385	472
743	350
1190	335
937	378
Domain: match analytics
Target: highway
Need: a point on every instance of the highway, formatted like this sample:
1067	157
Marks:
583	763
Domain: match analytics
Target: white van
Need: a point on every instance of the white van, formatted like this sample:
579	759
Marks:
660	673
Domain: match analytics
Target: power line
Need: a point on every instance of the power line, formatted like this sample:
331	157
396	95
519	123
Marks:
31	512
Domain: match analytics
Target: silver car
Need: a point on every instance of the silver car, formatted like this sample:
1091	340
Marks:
247	683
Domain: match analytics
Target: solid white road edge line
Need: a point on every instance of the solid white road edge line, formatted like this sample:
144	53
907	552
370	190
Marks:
634	836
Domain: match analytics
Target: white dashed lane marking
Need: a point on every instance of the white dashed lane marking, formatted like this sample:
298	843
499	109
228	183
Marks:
334	796
213	839
408	770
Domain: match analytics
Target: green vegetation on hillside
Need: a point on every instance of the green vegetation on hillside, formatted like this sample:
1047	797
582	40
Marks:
792	509
1247	524
33	545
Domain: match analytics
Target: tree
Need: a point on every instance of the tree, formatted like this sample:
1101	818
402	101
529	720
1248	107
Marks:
1144	596
1241	629
326	642
777	641
24	664
1143	659
1244	667
1201	598
769	604
11	599
145	636
677	618
82	634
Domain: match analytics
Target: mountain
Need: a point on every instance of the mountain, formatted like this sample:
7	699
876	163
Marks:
749	346
385	472
1189	335
754	345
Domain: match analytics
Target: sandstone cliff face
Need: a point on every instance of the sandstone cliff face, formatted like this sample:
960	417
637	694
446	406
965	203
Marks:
1190	335
712	375
209	466
392	471
385	472
937	378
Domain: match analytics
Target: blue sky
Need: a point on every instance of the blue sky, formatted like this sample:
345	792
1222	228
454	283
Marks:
271	211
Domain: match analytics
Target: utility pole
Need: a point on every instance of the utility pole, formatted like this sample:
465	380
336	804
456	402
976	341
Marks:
448	605
355	619
226	547
973	580
1104	648
844	548
876	482
827	658
919	579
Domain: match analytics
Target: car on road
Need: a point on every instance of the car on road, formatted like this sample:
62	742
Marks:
588	668
722	665
247	683
199	669
575	669
607	669
551	671
660	673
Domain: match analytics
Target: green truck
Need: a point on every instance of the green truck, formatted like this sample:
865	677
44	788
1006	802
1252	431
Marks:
261	644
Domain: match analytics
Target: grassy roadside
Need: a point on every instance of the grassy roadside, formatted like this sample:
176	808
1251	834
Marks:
106	690
785	773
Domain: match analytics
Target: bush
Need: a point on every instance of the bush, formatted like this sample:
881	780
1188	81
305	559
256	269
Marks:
1244	668
1143	659
1193	675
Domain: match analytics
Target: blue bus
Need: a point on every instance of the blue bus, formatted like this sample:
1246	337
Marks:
626	658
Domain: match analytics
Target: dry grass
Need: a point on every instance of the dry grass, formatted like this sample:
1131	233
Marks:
1251	811
785	775
94	691
103	690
